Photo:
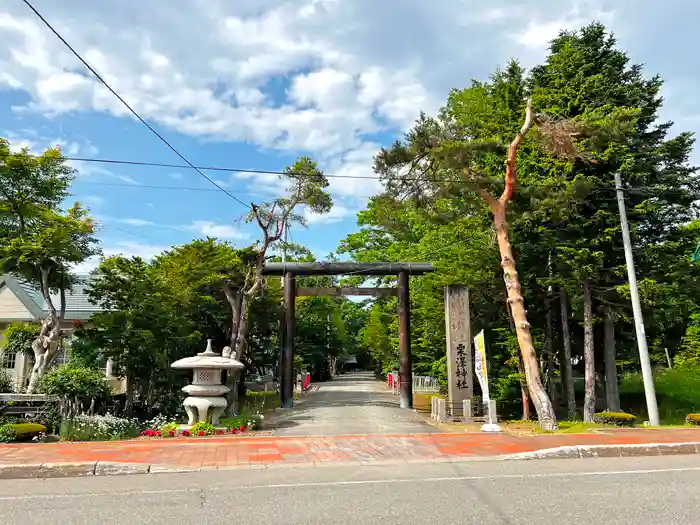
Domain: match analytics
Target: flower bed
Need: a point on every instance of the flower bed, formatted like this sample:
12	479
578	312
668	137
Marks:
198	430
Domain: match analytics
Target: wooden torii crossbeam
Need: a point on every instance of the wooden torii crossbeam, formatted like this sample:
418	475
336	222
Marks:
290	270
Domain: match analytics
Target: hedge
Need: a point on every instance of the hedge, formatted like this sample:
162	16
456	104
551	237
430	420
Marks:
621	419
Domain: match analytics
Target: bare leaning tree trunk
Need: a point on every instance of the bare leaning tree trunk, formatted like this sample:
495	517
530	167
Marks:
543	404
538	394
588	355
48	342
567	370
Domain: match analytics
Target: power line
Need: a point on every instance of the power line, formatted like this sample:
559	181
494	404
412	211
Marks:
154	187
253	171
133	112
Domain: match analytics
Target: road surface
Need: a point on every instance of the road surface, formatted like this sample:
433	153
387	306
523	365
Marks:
634	491
350	404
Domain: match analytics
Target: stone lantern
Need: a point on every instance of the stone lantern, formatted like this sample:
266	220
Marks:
206	399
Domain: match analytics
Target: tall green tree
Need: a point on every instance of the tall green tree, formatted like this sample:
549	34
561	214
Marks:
39	241
143	327
587	79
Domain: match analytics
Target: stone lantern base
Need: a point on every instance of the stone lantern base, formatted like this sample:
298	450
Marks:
201	409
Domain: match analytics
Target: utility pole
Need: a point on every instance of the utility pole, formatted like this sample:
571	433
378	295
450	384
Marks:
647	375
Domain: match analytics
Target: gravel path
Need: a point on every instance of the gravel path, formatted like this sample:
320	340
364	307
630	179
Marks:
350	404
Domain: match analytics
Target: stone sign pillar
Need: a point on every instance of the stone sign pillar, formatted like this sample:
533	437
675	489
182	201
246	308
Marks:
460	360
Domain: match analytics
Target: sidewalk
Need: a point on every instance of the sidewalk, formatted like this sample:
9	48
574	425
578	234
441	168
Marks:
169	455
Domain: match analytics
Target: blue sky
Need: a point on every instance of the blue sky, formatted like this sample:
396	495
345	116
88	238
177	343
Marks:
253	87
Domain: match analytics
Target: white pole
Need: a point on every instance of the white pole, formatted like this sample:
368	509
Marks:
647	375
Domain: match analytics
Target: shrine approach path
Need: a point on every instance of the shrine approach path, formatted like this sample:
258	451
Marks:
350	404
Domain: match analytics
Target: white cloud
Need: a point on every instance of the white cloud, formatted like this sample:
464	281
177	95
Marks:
125	249
337	213
349	70
135	249
136	222
212	229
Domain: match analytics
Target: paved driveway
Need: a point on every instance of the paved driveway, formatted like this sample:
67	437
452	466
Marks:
350	404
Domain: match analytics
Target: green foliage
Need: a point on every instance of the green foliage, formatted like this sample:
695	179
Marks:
168	429
18	338
11	432
677	392
24	430
72	382
203	428
564	221
246	419
8	434
620	419
5	380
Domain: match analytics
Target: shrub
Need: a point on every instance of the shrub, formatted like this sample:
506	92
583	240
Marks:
25	430
10	432
251	421
169	429
677	392
692	419
620	419
7	433
99	428
203	428
5	380
74	384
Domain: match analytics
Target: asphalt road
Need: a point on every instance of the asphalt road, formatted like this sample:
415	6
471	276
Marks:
635	491
350	404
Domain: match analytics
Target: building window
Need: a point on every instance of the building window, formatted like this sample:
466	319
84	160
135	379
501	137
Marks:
9	359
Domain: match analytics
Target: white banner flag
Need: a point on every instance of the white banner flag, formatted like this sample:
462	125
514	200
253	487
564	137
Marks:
480	365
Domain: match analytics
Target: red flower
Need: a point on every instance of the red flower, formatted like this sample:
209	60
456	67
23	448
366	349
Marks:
234	431
219	432
158	433
149	433
186	433
171	433
201	433
243	428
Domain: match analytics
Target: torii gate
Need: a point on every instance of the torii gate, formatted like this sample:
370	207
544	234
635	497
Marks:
402	270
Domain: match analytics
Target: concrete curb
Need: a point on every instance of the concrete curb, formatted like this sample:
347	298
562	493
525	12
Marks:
608	451
71	470
108	468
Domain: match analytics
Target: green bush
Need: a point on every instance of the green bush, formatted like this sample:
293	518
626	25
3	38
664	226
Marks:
677	393
74	382
25	430
7	433
692	419
10	432
203	428
620	419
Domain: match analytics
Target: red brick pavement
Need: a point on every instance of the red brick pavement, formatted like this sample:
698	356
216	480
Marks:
258	450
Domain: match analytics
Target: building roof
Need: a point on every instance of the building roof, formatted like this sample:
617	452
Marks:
78	307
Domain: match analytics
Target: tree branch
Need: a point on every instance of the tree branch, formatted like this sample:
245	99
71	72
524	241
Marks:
513	151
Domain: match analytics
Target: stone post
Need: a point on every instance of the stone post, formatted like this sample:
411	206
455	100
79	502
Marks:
460	361
467	413
442	410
